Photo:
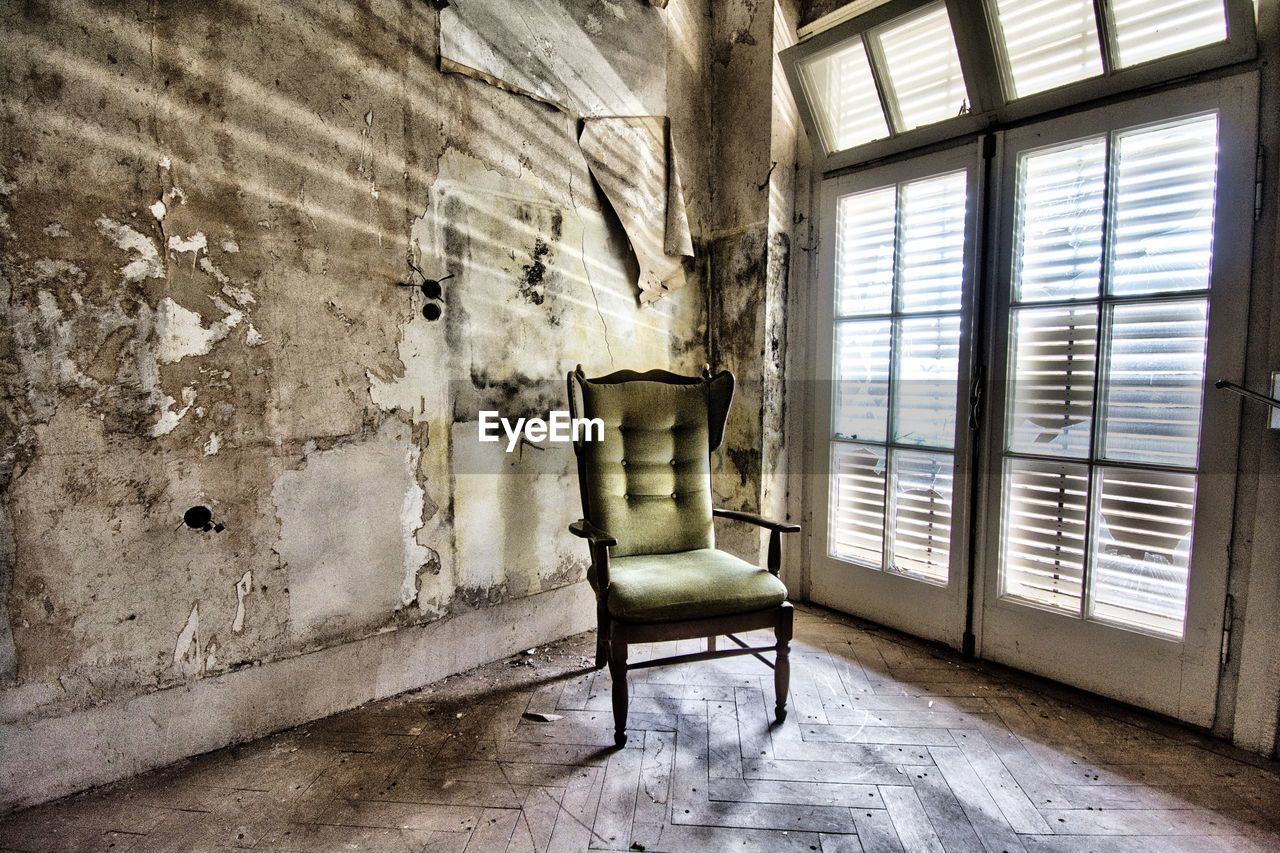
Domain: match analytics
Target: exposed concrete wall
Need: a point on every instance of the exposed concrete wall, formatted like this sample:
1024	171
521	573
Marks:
204	210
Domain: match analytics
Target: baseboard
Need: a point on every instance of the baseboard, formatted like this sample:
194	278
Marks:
48	758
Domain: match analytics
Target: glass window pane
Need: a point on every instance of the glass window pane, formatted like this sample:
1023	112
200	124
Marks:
922	487
1142	548
843	95
1162	236
1048	43
1054	354
922	68
925	383
931	251
862	379
1045	507
865	226
857	502
1154	382
1149	29
1058	230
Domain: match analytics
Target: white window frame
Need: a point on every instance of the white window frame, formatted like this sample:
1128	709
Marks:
990	100
1112	660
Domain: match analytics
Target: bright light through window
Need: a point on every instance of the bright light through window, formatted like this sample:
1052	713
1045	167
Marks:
922	68
839	84
1150	29
1048	43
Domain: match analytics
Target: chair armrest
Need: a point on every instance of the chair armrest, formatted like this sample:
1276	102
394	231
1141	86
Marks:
758	521
583	529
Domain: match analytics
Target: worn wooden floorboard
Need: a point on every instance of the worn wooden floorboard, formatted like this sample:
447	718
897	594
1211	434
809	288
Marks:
891	745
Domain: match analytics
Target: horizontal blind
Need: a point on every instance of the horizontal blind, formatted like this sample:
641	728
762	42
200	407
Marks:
1154	380
861	408
857	502
1058	230
922	67
1048	43
1150	29
865	226
921	513
1053	371
840	86
931	251
1043	536
1162	232
1142	548
928	353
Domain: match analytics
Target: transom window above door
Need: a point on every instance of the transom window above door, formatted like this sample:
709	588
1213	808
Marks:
911	72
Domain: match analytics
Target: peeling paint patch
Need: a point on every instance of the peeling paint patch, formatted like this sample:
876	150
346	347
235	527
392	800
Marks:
158	210
243	587
147	264
186	653
55	229
230	246
211	446
410	524
195	244
182	333
169	419
242	296
253	337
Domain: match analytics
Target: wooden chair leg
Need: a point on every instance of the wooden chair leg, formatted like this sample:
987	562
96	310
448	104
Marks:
618	672
782	664
602	635
711	643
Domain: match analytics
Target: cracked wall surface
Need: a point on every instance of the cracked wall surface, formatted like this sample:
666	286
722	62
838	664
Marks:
207	209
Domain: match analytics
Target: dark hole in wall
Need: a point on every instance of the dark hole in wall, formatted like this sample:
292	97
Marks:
197	517
200	517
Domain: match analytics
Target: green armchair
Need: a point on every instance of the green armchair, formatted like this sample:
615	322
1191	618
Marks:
646	502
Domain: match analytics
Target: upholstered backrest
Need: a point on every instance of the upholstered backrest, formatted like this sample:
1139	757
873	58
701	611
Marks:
648	482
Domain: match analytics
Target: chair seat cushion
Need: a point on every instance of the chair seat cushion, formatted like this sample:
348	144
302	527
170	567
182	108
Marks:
688	585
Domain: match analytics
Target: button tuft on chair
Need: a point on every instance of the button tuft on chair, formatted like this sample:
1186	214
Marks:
673	495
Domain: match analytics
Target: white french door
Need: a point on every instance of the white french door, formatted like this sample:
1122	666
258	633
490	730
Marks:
1120	295
1115	293
892	340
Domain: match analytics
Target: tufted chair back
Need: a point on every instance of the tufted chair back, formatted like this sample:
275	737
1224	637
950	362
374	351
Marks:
648	483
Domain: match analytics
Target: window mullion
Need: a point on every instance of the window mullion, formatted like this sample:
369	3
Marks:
875	58
895	342
971	26
1106	36
1101	348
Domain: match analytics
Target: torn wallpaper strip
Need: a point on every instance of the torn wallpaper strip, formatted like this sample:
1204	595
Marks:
635	164
586	57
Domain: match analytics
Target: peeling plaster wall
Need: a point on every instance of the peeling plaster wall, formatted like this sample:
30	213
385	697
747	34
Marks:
204	211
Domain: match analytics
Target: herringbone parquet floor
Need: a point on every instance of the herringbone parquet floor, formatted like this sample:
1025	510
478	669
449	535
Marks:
891	745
